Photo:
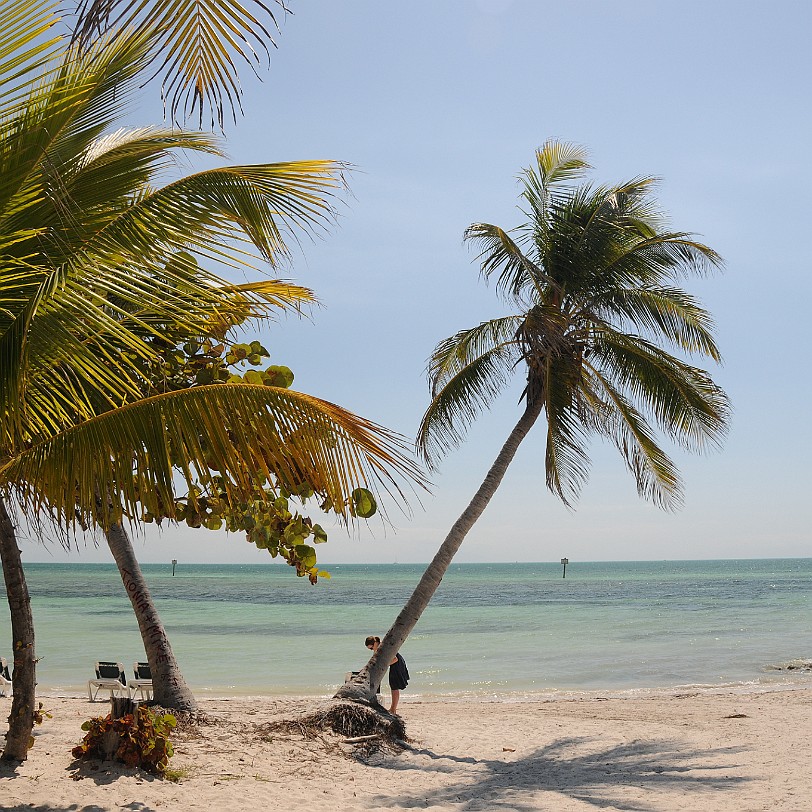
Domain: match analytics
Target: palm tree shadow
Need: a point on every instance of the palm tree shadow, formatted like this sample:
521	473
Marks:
597	778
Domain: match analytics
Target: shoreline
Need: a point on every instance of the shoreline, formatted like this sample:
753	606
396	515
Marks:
721	752
802	680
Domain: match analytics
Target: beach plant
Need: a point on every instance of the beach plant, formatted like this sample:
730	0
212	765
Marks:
139	739
600	329
94	269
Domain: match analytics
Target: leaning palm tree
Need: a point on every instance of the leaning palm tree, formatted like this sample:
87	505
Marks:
97	263
591	276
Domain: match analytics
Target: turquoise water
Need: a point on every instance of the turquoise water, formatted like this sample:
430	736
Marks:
516	629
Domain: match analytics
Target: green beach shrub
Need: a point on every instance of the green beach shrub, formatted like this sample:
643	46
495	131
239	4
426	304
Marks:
142	736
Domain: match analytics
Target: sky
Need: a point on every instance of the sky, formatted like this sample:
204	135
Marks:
438	106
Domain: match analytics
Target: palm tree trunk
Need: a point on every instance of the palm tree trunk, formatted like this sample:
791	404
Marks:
24	677
169	689
361	688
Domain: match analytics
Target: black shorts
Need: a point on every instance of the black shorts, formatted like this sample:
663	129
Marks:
398	675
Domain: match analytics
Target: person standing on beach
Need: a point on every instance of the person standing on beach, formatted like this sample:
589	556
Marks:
398	672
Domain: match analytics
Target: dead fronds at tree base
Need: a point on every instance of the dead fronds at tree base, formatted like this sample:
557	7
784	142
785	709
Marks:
365	727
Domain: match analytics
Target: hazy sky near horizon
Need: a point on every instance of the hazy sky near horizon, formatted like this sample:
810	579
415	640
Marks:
438	106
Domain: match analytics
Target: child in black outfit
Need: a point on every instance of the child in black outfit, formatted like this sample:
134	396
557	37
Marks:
398	672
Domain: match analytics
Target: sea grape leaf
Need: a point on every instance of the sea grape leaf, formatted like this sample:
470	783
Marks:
280	376
364	503
306	554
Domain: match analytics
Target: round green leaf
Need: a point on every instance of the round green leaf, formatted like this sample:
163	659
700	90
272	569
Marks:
306	554
363	503
280	376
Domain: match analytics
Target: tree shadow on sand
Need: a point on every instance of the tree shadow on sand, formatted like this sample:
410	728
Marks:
132	807
596	777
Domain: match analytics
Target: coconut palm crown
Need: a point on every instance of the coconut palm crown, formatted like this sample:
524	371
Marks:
592	278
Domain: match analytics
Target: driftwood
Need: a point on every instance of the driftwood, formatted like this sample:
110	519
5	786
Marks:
356	739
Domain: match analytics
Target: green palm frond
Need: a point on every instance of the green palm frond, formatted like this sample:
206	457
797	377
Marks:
72	105
557	165
115	164
467	372
685	401
264	202
518	277
668	313
239	430
655	473
452	355
566	460
24	48
199	43
664	258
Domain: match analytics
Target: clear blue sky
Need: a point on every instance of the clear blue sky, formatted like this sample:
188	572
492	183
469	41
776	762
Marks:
439	105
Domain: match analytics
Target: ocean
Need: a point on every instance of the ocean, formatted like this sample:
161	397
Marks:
508	630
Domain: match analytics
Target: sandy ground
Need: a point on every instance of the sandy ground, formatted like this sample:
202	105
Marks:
722	751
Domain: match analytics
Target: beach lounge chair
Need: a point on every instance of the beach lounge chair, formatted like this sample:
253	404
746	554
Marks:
142	684
5	678
109	677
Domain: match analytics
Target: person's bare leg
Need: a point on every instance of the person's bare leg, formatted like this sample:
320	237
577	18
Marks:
395	698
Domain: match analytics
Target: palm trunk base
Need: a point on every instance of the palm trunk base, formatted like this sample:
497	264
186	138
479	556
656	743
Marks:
24	677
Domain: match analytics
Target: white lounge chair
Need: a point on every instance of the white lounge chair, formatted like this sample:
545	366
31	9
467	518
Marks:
142	684
109	677
5	678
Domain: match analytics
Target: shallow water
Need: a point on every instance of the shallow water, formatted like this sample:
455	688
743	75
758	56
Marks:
518	629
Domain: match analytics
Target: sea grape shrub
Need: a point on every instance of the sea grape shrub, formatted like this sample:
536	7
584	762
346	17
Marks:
268	520
143	739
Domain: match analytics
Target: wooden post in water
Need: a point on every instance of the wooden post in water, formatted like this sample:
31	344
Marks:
174	562
565	561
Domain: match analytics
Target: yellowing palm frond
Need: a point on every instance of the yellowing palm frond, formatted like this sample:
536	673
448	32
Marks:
238	430
199	43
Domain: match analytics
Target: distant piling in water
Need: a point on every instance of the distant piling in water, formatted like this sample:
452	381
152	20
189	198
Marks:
174	564
565	561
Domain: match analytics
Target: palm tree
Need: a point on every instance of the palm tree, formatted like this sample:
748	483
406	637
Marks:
591	276
96	261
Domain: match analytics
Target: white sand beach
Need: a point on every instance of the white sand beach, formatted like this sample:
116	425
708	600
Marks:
699	751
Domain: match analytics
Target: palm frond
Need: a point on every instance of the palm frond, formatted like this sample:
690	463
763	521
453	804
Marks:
685	401
668	314
557	165
73	104
517	275
467	372
117	163
199	45
566	460
655	473
240	430
24	48
263	202
662	257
